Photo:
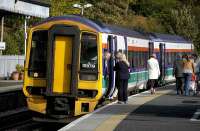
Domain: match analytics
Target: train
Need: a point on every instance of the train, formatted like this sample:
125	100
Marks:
64	67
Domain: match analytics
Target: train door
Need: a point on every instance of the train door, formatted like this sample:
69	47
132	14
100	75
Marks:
114	44
162	62
62	61
151	48
111	64
62	64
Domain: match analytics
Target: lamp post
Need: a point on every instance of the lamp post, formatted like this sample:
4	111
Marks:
82	7
25	33
2	28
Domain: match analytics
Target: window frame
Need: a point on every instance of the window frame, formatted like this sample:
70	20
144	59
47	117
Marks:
29	49
98	55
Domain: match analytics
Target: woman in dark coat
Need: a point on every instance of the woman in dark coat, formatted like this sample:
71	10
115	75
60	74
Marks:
122	69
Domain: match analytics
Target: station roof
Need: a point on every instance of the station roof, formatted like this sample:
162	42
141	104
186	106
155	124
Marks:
36	8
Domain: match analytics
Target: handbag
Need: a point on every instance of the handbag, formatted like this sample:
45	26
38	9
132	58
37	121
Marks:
194	77
192	86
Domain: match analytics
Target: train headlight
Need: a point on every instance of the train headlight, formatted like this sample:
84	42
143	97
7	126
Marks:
87	93
87	76
36	90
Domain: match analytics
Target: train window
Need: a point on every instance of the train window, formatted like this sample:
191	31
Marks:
139	59
146	59
88	57
38	54
167	58
135	59
173	57
130	58
170	59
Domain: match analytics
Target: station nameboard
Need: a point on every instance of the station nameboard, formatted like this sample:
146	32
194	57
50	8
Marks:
25	8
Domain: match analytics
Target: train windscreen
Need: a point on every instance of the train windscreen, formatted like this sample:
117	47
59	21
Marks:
38	54
88	57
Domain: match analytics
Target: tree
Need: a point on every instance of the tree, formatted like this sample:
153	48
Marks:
182	22
63	7
14	35
153	7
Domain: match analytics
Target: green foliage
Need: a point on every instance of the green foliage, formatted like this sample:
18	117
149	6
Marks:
105	12
63	7
19	68
11	45
153	7
182	22
14	42
120	12
14	35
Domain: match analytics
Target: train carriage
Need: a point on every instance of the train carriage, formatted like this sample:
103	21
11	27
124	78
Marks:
65	63
166	48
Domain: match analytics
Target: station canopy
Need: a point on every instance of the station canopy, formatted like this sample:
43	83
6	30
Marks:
36	8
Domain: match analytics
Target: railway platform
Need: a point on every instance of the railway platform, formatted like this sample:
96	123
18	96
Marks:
12	99
163	111
10	85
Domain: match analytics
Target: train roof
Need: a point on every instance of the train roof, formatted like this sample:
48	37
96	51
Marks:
101	27
157	37
113	29
110	29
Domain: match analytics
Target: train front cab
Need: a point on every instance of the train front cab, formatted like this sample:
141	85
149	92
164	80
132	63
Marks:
62	69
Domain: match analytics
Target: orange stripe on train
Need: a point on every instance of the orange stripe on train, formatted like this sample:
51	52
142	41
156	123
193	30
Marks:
144	49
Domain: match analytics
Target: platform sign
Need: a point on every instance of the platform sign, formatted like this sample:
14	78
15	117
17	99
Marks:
2	45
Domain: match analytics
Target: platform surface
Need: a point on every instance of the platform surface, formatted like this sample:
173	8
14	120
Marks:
163	111
10	85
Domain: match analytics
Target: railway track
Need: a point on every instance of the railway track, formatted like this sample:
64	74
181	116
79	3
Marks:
14	115
22	120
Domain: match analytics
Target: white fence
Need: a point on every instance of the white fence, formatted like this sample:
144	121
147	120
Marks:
8	64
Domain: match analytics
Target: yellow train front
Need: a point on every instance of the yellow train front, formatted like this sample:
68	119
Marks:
62	68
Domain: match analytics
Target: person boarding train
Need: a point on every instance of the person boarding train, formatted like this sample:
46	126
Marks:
122	70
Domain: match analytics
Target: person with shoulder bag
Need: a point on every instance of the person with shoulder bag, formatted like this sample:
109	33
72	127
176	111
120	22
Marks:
188	71
197	69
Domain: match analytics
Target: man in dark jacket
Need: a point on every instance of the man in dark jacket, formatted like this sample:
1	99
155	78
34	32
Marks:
178	73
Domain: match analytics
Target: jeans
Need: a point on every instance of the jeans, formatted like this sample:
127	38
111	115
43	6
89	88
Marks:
187	79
